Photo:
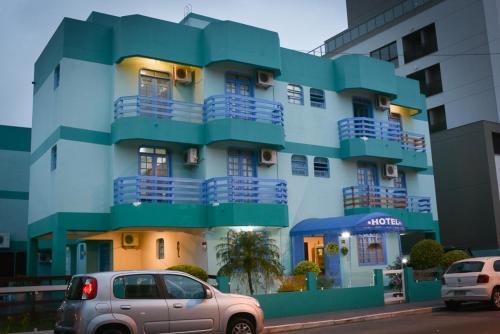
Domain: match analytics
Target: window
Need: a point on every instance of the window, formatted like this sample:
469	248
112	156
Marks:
420	43
299	165
295	94
182	287
400	181
466	267
53	158
154	84
429	79
160	249
317	97
238	84
153	161
437	119
370	249
57	75
241	163
388	53
362	107
135	287
321	167
367	174
496	265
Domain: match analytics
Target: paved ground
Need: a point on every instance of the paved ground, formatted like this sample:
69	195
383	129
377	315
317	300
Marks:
470	319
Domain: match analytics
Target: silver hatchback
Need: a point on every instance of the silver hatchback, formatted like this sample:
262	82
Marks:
153	302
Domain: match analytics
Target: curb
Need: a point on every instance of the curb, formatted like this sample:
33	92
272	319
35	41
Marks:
351	320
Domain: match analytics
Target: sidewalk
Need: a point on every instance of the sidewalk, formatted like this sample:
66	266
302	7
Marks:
280	325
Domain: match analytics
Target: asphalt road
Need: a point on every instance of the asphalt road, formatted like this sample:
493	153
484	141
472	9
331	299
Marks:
471	319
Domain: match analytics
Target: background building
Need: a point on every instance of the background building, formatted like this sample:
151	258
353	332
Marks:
153	140
452	47
14	185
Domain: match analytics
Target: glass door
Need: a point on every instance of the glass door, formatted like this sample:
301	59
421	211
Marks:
154	91
153	164
368	182
242	164
239	87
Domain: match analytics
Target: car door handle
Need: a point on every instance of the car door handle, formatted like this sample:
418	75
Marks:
125	307
177	305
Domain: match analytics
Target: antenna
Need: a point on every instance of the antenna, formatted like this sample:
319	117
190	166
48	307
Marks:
187	9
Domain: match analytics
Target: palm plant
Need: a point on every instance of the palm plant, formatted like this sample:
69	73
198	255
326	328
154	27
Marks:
250	255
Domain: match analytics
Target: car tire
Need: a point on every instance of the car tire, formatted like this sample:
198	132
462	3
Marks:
240	325
495	299
452	305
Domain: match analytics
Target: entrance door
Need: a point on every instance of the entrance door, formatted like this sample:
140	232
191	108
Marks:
394	286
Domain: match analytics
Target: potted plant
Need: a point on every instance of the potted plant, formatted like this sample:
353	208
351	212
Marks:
344	250
331	249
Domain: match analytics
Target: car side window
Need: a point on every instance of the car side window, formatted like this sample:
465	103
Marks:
182	287
496	265
135	287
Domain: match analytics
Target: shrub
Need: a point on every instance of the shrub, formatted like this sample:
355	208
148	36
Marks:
324	282
306	266
293	283
191	270
452	256
426	254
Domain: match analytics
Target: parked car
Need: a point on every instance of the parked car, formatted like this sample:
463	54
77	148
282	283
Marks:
474	279
132	302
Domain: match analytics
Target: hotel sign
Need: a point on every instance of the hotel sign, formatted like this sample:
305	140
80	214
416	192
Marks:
385	222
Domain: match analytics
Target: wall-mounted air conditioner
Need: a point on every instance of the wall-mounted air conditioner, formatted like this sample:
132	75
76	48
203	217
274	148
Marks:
383	102
183	75
130	240
191	156
265	79
268	157
390	171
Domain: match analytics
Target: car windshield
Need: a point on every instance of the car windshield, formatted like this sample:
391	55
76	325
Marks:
466	267
74	291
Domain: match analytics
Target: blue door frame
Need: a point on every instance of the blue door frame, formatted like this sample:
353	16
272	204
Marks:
362	107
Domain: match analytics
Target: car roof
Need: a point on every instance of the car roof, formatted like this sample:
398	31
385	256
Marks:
483	258
118	272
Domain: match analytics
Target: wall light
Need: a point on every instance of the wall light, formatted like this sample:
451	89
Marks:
345	235
136	203
404	260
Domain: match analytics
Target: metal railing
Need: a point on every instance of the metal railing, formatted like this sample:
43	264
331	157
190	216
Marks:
159	108
384	197
243	107
364	28
233	189
214	107
369	128
228	189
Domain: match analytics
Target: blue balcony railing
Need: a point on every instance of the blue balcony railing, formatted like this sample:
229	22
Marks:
243	107
234	189
383	197
229	189
214	107
370	128
159	108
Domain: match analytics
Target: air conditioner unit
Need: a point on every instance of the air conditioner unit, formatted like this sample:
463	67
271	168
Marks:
268	157
265	79
390	171
191	156
4	240
130	240
383	102
183	75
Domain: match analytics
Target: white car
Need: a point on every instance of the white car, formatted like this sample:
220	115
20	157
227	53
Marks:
474	279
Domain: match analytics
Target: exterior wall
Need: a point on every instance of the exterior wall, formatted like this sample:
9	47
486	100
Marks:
468	81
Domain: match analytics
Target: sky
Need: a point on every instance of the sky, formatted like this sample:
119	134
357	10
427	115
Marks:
27	25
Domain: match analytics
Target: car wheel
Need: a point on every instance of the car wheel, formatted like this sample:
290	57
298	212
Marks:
240	326
495	298
452	305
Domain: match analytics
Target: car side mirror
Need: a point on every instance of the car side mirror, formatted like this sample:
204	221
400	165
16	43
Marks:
208	293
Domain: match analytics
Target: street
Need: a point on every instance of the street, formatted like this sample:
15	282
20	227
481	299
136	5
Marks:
471	319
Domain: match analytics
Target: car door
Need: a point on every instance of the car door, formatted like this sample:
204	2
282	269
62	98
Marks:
191	310
137	297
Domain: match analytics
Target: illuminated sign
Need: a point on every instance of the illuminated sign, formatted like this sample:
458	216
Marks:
385	222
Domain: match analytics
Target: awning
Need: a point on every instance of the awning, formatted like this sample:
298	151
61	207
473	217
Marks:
362	223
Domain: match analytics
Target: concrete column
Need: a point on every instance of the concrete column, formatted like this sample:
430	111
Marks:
311	282
32	257
58	266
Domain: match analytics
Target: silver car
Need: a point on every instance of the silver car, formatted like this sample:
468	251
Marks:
131	302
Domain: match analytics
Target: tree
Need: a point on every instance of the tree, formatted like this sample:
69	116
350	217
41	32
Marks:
426	254
249	254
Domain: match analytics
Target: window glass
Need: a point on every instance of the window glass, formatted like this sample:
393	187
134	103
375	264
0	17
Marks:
496	265
429	79
154	84
370	249
241	163
362	107
182	287
74	290
321	167
238	84
466	267
388	53
57	75
317	97
437	119
299	165
153	161
160	249
53	158
420	43
135	287
295	95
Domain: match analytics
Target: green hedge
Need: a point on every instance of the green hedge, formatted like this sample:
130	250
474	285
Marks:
191	270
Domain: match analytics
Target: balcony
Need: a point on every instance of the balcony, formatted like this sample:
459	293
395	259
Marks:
368	137
226	117
414	211
182	202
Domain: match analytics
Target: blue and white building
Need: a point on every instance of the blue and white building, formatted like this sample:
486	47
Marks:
152	140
